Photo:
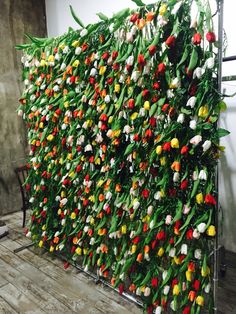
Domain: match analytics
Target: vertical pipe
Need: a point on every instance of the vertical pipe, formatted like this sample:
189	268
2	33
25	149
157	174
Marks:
220	4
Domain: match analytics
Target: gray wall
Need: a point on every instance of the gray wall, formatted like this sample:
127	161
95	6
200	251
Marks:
16	18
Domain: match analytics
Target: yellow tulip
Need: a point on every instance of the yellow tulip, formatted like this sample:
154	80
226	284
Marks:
123	229
203	111
92	219
73	215
66	104
134	116
199	198
110	119
43	63
41	125
78	251
174	143
159	149
102	70
188	275
50	137
163	161
117	88
51	58
75	63
59	211
97	161
163	9
160	251
63	194
211	231
40	243
206	272
133	249
75	43
176	290
147	105
51	248
44	227
200	300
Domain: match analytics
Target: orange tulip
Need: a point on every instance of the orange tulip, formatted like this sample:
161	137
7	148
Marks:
175	166
101	197
150	16
139	257
146	249
118	188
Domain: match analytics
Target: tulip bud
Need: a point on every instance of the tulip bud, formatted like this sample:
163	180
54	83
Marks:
206	145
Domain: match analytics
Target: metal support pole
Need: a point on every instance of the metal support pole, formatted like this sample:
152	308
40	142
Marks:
220	5
23	247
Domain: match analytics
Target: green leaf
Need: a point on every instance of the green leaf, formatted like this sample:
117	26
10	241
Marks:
75	17
222	132
222	106
102	16
139	3
193	60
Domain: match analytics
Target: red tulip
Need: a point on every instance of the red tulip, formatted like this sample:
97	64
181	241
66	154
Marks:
114	55
211	37
184	185
134	17
196	284
105	55
145	93
184	150
186	310
152	49
197	38
210	200
167	146
141	60
152	121
161	68
145	193
170	42
156	85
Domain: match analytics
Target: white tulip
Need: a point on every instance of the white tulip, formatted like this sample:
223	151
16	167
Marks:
157	196
108	195
201	227
147	291
136	205
198	73
180	118
152	224
172	252
88	148
166	290
186	209
196	140
207	288
78	50
206	145
176	177
129	37
196	234
135	76
150	210
83	32
184	249
191	102
28	234
63	66
172	306
64	201
138	291
164	274
193	124
20	113
93	72
158	310
195	175
122	78
130	60
170	93
168	219
202	175
210	62
107	99
65	50
134	29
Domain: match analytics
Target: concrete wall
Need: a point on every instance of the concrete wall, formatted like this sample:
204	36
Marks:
16	18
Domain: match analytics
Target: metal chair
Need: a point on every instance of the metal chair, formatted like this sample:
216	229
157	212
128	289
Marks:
22	174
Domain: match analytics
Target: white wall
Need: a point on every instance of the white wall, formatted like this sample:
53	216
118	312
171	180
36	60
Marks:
58	21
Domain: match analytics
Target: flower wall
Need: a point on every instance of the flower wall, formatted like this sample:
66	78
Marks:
122	126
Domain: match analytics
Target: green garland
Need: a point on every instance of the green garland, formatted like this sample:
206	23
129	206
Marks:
122	123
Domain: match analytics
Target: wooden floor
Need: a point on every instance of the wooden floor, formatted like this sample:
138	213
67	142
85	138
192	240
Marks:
32	281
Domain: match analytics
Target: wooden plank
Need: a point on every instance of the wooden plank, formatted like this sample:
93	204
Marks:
18	300
5	308
31	289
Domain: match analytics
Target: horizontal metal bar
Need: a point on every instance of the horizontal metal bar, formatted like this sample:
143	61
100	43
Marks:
230	58
23	247
229	78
